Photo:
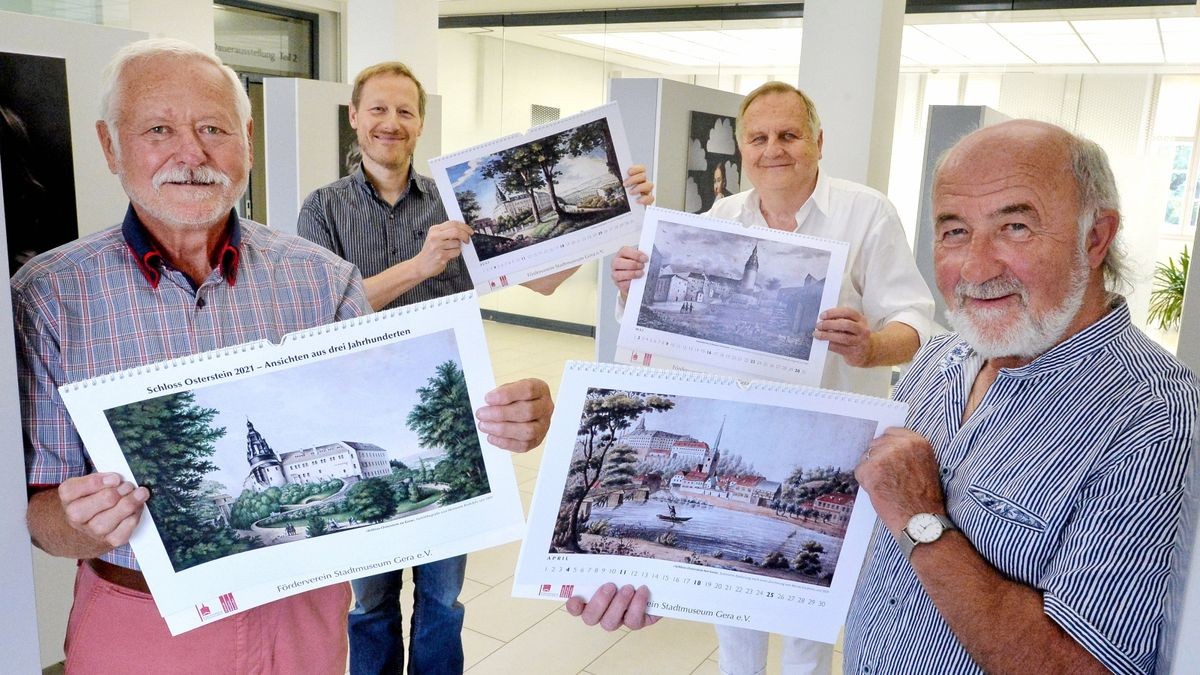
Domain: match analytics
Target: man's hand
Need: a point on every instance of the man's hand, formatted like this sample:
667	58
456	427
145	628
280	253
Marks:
102	507
443	243
628	264
848	334
517	415
612	608
900	473
639	186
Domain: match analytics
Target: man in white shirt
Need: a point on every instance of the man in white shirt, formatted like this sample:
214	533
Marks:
884	306
883	316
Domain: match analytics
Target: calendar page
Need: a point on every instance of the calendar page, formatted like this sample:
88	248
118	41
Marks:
718	296
733	502
344	451
542	201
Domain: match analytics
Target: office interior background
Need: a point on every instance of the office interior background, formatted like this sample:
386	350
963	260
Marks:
1125	74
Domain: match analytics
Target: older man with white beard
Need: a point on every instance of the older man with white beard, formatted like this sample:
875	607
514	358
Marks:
183	274
1028	513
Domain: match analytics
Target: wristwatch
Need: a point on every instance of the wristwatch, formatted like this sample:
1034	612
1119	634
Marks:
923	528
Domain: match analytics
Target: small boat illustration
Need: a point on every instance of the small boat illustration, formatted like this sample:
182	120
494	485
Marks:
672	517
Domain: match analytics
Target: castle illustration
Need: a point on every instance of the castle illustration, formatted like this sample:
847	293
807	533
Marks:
350	461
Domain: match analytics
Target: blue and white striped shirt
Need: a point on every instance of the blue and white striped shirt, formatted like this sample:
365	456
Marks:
1068	478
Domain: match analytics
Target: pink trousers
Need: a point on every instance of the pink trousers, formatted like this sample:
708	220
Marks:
116	630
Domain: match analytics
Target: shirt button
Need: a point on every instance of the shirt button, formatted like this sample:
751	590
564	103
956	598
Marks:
199	303
945	470
891	601
391	216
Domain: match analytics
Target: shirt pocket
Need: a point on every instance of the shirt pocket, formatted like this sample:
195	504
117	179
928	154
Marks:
1006	509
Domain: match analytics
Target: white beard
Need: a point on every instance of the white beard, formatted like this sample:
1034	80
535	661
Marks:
1025	336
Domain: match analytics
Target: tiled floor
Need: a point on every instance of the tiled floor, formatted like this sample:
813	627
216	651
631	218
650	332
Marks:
505	635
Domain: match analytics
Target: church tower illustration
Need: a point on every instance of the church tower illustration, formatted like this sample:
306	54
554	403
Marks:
714	458
265	468
750	273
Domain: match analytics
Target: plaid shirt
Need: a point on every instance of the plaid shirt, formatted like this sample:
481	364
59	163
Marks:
109	302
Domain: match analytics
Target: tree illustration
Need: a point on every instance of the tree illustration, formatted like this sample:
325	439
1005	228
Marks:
443	419
371	500
468	203
605	412
549	152
620	467
168	441
585	138
316	526
518	170
808	560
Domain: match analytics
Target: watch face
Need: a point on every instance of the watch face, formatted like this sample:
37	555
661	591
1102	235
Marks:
924	528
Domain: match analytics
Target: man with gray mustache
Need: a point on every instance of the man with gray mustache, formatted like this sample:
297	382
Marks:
182	274
1028	513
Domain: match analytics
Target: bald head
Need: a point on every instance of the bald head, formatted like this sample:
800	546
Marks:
1070	164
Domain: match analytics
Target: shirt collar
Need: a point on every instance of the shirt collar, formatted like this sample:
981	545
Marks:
1079	346
360	177
819	200
820	195
149	259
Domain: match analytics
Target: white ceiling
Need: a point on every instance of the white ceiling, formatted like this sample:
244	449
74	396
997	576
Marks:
1164	37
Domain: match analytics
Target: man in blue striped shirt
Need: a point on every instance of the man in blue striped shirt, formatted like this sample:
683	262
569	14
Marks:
1029	511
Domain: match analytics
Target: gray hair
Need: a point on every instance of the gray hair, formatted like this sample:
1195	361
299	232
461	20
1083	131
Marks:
1097	190
777	87
110	82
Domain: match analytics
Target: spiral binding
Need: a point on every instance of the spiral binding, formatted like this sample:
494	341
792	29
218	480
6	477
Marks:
265	344
693	377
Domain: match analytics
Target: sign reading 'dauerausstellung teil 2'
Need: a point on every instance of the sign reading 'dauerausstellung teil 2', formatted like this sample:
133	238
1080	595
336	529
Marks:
344	451
734	503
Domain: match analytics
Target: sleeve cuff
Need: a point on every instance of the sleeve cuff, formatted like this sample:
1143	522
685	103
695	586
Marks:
1093	640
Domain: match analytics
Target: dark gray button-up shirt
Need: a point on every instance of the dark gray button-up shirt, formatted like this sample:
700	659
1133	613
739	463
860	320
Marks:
349	218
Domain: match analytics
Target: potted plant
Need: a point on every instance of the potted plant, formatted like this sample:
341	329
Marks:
1166	300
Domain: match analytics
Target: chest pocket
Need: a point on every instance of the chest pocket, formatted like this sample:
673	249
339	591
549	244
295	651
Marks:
1004	508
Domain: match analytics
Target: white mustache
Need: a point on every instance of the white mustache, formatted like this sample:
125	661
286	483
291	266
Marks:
200	175
990	289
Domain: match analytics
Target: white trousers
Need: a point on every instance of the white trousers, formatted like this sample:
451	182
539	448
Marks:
744	652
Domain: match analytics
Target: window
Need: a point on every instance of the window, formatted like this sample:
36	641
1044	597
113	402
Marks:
1173	142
